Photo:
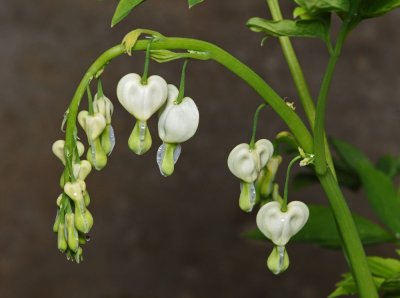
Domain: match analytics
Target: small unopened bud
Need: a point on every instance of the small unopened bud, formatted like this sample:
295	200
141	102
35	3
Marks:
72	233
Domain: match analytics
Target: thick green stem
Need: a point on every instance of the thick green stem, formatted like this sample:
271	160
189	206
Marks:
293	121
351	241
298	77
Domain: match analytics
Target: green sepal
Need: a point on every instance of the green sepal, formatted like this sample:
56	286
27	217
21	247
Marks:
140	139
278	260
96	155
168	162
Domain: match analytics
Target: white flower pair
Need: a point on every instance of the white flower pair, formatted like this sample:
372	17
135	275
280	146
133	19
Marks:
177	122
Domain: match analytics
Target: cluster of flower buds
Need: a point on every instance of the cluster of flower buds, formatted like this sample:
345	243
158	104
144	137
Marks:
73	220
178	117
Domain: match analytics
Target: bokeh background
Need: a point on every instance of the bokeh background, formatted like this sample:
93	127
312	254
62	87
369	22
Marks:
178	236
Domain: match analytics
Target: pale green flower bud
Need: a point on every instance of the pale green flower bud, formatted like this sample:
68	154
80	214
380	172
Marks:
267	176
96	155
72	233
93	125
61	238
107	139
83	219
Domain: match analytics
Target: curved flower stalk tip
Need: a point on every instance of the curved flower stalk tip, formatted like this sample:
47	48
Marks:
141	101
178	122
246	164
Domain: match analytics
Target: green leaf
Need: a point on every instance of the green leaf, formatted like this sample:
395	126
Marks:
319	6
321	229
375	8
384	267
291	28
194	2
378	186
123	9
389	165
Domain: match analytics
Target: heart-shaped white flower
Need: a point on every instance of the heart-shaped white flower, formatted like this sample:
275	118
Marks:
246	163
178	122
58	149
75	190
103	106
142	101
281	226
93	125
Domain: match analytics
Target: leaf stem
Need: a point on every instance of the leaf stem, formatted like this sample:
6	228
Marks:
286	189
255	121
181	93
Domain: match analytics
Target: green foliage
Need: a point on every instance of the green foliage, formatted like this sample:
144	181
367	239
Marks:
375	8
291	28
389	165
315	7
386	275
194	2
321	229
126	6
123	9
381	193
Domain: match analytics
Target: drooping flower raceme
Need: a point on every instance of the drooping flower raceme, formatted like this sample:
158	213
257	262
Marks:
142	101
177	123
246	163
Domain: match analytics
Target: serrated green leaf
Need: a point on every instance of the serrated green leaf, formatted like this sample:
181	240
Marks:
375	8
315	7
321	229
380	191
123	9
194	2
291	28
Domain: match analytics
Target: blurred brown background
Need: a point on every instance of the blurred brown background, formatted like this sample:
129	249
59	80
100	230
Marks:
176	236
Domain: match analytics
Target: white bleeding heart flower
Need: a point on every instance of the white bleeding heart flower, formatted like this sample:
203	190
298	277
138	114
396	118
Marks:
177	123
104	106
142	101
93	125
58	149
280	226
246	163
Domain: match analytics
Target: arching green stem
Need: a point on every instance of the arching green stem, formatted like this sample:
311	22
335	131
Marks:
286	189
181	93
255	121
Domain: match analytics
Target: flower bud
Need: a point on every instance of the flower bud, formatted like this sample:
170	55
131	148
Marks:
72	233
93	125
57	222
278	260
267	176
58	149
83	219
107	139
61	238
96	155
103	106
